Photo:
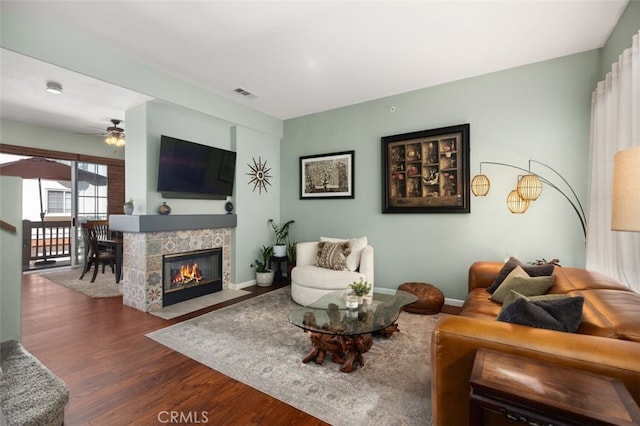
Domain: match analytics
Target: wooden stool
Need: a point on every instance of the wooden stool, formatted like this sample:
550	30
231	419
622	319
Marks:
430	298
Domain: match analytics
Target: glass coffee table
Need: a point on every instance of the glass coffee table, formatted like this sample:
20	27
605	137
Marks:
347	333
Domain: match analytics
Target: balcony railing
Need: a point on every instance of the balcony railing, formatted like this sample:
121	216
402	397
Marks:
55	237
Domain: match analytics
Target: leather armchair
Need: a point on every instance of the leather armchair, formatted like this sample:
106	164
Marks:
310	282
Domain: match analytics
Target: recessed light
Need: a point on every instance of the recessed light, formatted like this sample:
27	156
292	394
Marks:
53	87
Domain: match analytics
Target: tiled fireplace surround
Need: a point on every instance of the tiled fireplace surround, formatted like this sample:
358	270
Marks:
148	237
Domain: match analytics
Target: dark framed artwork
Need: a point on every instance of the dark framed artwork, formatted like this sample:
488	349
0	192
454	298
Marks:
327	175
426	171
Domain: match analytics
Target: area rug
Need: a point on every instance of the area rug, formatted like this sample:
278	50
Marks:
104	285
253	342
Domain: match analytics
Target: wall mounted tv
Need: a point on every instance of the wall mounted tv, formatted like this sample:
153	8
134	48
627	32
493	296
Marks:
191	170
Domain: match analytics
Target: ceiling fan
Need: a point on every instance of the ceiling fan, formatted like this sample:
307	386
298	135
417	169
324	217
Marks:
114	135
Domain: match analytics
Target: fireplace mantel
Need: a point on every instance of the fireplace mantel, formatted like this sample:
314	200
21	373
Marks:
175	222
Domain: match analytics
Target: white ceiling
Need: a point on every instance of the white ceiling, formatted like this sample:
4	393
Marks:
299	57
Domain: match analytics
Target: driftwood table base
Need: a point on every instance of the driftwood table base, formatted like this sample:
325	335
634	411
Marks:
347	334
345	350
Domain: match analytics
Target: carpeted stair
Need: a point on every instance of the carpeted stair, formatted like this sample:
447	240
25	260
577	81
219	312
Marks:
30	393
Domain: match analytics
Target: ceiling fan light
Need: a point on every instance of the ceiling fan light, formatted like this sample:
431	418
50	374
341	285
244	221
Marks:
115	135
480	185
116	140
529	187
516	203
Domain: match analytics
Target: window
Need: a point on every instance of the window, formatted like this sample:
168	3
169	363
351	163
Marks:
58	202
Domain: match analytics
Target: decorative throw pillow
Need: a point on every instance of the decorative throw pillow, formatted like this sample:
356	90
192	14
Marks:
357	245
515	272
333	255
528	286
514	295
560	314
531	270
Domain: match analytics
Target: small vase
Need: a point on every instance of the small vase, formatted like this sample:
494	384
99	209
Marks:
164	209
128	209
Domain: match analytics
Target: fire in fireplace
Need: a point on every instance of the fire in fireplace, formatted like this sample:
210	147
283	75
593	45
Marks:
186	275
191	274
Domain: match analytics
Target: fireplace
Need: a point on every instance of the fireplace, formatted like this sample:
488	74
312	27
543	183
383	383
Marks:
191	274
148	238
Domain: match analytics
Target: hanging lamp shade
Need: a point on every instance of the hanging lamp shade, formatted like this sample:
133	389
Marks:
529	187
480	185
516	203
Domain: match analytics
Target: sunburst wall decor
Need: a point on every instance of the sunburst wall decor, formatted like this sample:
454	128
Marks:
259	175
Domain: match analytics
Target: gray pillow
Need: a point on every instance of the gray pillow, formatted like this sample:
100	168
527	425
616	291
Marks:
527	286
531	270
514	295
560	314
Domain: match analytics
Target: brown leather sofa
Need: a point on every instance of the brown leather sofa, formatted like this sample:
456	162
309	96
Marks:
607	342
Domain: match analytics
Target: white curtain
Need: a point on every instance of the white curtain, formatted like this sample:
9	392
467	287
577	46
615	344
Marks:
615	125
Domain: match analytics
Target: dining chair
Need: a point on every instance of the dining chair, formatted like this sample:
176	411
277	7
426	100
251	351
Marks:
97	253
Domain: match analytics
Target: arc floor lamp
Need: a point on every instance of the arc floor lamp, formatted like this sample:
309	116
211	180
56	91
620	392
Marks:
529	188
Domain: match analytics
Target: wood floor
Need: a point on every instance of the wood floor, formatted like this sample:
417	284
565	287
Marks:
117	376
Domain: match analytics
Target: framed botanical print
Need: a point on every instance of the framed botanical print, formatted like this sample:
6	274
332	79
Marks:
327	175
426	171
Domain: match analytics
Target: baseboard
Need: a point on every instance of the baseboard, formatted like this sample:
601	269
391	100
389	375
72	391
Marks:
240	286
453	302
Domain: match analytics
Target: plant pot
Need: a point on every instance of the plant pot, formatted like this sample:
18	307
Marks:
264	279
128	209
280	251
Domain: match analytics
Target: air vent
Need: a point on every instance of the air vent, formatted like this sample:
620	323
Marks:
243	92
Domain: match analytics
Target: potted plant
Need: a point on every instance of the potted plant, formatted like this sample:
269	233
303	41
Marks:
264	275
282	237
291	258
128	206
361	289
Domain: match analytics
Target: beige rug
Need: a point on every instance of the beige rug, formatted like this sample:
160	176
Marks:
104	285
253	342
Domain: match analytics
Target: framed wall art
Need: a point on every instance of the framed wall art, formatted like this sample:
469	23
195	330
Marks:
426	171
327	175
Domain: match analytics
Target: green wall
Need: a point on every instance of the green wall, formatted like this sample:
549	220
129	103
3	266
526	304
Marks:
620	38
145	125
11	259
540	111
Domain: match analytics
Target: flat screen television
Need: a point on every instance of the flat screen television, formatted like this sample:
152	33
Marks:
192	170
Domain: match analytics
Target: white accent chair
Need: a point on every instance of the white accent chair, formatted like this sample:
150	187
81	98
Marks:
310	282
